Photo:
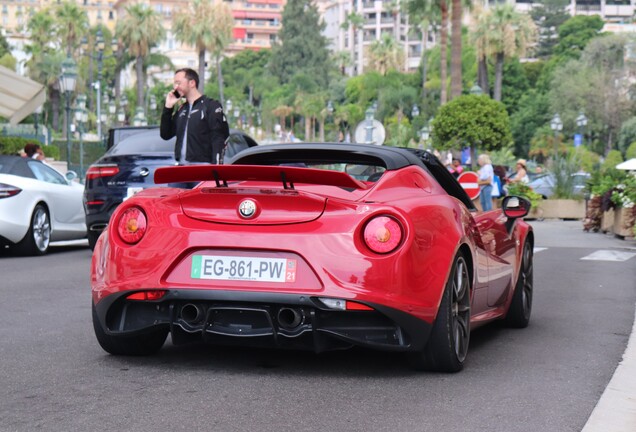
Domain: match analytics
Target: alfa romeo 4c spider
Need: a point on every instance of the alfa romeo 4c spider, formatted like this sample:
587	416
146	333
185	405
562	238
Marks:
316	247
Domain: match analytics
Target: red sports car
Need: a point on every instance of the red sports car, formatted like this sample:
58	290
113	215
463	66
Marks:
312	246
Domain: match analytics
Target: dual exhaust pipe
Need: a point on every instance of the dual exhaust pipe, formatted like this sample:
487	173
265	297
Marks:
288	318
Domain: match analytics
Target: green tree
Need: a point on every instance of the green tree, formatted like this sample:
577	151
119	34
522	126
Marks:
533	111
4	45
205	25
72	25
302	46
627	135
507	34
575	33
630	153
456	48
474	121
354	21
612	159
385	54
140	30
548	16
606	100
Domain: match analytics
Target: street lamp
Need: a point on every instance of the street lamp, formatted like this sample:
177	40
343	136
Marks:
36	119
581	122
368	119
123	103
556	125
100	45
68	79
81	118
140	118
424	134
415	111
476	90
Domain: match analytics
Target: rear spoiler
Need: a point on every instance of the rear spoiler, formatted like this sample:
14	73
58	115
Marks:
222	174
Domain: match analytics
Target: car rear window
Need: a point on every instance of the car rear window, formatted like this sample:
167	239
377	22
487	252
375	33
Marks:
143	143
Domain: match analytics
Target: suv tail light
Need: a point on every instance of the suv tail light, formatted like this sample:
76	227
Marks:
131	226
8	190
97	171
383	234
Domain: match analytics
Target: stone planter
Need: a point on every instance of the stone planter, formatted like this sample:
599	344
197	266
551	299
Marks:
607	221
562	209
621	227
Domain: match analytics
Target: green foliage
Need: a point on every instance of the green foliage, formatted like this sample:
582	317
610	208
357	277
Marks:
627	135
612	159
575	33
4	45
624	194
533	112
563	169
522	189
548	15
630	153
302	48
475	121
588	160
11	145
514	84
8	61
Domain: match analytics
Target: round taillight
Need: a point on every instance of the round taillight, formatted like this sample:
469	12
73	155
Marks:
132	225
383	234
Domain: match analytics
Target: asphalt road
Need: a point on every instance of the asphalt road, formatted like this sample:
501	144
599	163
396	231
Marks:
548	377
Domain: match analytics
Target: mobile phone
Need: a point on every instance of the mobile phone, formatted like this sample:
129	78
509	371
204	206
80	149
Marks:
176	93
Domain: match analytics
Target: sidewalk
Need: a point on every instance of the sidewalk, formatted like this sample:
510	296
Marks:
616	409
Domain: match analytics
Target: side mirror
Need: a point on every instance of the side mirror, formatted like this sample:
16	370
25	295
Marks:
515	206
70	175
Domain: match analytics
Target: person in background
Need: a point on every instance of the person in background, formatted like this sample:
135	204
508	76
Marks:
485	179
521	175
199	124
500	179
456	168
34	151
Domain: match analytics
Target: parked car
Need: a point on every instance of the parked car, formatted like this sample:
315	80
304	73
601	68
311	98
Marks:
128	167
38	205
546	183
284	248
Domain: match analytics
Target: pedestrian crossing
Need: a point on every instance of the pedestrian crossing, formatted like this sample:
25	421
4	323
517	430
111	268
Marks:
601	255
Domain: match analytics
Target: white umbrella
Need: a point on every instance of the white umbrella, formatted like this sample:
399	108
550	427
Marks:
629	165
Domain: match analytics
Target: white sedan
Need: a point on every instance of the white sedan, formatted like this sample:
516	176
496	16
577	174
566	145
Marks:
38	205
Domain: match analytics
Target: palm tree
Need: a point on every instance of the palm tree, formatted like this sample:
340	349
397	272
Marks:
140	30
425	8
511	34
44	64
207	26
354	21
456	49
385	54
72	23
480	34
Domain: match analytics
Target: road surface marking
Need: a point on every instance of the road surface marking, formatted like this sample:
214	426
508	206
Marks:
609	255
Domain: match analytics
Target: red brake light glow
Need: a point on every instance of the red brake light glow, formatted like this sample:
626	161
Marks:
383	234
97	171
8	190
132	225
147	295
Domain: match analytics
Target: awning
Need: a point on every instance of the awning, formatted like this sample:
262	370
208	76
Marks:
629	165
19	96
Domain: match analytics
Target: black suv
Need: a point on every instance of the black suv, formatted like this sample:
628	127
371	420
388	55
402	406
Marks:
128	166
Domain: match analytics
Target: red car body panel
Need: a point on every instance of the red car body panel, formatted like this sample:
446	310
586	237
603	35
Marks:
316	219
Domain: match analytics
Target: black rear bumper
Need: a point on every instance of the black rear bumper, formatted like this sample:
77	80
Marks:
262	319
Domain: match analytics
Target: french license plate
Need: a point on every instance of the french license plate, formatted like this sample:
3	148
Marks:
243	268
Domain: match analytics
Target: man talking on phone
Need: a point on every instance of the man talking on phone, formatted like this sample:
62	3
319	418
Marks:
199	123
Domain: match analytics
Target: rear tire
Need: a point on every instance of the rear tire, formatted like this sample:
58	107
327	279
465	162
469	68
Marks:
521	305
447	346
38	237
143	345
